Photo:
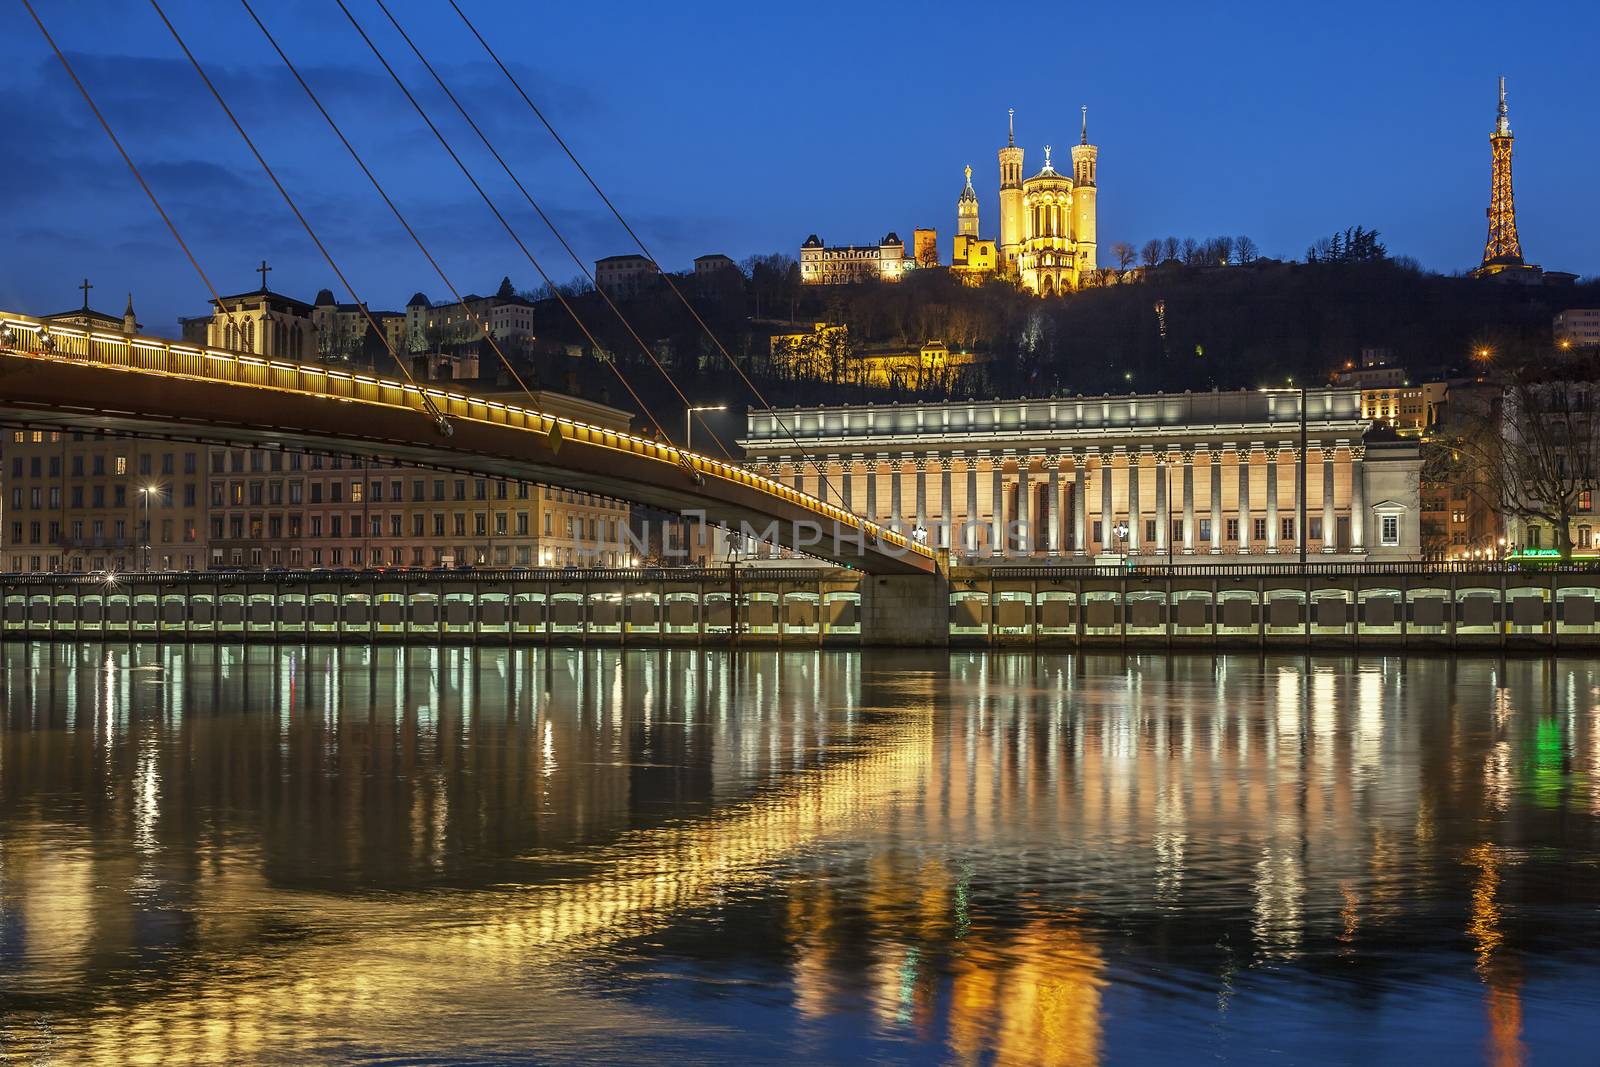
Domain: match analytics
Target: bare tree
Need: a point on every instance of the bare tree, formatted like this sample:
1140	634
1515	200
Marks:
1124	253
1245	250
1150	254
1222	250
1170	248
1191	251
1535	454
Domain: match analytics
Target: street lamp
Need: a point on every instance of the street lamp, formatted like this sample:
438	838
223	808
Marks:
1121	530
148	491
688	420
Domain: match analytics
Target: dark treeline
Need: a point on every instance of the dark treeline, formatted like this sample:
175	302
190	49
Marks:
1170	327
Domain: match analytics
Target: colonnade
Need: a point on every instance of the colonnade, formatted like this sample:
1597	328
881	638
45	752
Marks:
1199	498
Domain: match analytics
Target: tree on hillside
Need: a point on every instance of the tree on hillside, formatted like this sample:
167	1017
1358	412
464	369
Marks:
1150	254
1222	249
506	291
1353	245
1191	251
1535	454
1170	248
1245	250
1124	253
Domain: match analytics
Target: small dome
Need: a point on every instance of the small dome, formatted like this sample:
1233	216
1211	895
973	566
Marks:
418	300
324	298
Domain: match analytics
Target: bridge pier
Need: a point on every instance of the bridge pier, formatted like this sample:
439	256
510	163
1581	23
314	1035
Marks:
906	610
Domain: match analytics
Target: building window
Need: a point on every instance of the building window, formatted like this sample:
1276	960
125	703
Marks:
1586	501
1287	531
1149	532
1232	530
1205	529
1389	530
1259	529
1314	526
1097	531
1585	535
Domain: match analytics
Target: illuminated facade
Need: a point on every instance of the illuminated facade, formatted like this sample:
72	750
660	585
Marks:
971	258
1055	250
822	264
78	501
1185	477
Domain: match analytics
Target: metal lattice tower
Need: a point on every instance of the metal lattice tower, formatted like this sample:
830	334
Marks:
1503	248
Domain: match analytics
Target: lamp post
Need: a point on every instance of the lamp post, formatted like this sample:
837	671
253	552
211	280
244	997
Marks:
688	421
147	492
1121	530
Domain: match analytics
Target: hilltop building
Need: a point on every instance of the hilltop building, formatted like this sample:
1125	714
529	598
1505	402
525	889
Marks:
625	276
822	264
1047	240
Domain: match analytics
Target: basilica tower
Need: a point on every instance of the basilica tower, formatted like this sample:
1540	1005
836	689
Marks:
967	210
1084	157
1011	216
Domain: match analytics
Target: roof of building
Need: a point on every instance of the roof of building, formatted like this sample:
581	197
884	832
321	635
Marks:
298	305
892	239
812	242
708	257
418	300
623	259
79	314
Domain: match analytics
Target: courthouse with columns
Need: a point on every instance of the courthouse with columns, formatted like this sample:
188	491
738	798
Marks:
1188	476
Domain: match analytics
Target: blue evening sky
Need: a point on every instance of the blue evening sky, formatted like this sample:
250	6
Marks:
741	128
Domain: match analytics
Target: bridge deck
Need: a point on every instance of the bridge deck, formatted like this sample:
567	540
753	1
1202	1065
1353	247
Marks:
72	378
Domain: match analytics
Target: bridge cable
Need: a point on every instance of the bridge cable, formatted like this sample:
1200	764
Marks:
643	347
433	411
439	270
139	177
473	181
645	249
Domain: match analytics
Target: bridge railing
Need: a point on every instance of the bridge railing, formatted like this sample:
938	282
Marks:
24	335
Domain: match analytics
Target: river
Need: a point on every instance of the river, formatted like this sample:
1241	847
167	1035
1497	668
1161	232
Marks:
219	853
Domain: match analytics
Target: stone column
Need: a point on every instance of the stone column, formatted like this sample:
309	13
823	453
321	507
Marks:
1214	461
1080	506
1024	545
1329	518
947	533
1163	510
896	512
1358	501
972	503
1244	497
851	463
1272	501
997	520
921	464
872	488
1108	514
1054	516
1135	516
1188	501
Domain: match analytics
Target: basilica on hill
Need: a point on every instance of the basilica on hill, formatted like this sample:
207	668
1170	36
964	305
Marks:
1047	231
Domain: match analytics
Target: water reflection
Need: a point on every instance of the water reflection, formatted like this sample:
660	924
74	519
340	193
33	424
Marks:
219	853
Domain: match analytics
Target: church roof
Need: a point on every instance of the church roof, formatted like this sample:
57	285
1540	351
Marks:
85	316
289	301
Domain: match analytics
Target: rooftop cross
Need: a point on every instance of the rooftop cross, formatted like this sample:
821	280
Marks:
86	287
263	270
